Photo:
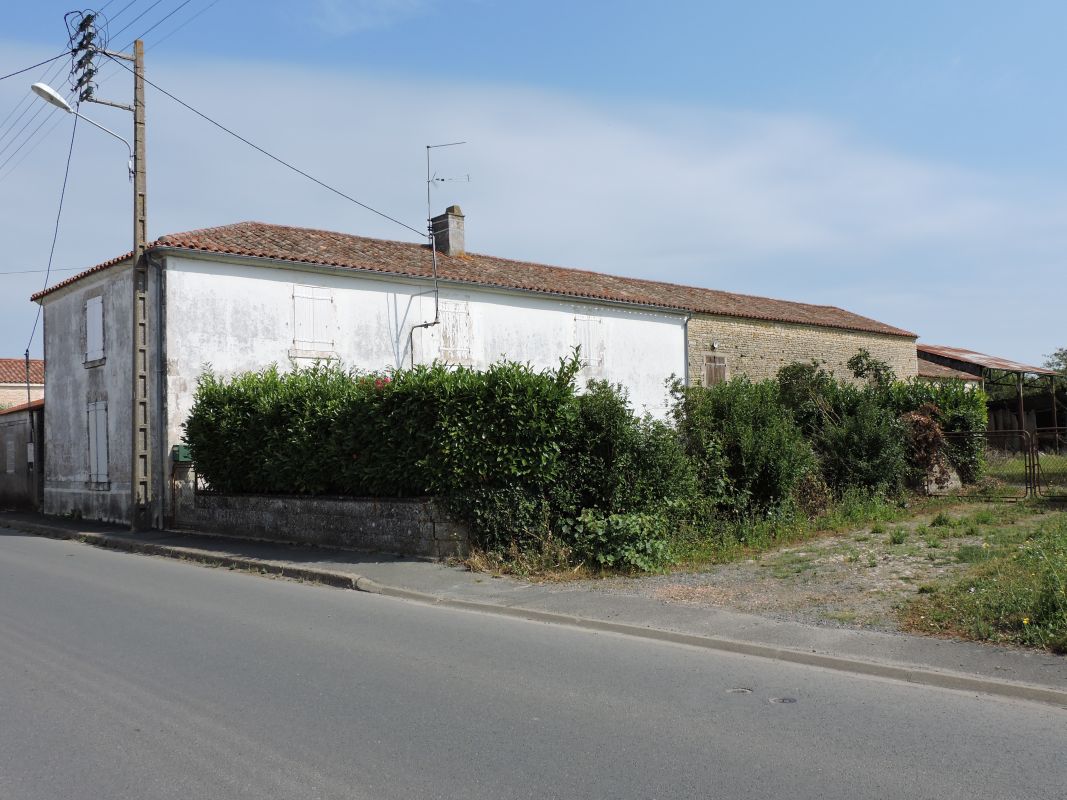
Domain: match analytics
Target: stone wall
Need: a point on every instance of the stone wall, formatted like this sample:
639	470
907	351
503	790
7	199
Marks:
758	349
407	527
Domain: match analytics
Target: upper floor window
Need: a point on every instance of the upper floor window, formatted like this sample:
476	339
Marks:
589	336
456	332
94	329
314	318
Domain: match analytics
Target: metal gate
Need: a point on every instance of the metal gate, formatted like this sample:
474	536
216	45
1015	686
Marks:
1050	462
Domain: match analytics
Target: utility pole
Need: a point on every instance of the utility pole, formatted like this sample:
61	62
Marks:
141	458
84	36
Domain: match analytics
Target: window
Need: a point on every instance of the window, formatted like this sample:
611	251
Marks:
715	370
455	331
97	425
314	318
94	329
589	336
10	455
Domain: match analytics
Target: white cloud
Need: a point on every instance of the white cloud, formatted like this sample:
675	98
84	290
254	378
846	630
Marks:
780	205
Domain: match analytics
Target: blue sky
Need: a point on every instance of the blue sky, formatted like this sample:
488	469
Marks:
901	160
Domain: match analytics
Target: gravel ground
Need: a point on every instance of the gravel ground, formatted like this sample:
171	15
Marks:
856	579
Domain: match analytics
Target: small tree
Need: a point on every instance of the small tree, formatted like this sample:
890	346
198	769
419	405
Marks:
1057	360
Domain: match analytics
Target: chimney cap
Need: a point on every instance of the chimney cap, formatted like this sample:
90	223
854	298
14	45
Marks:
455	210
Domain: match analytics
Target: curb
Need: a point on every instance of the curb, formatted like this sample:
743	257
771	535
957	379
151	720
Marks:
346	580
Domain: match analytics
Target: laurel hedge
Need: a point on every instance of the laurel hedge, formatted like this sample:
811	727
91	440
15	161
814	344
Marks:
524	457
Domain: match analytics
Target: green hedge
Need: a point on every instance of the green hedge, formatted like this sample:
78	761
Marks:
525	458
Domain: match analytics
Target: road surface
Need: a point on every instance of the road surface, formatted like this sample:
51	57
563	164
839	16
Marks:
124	676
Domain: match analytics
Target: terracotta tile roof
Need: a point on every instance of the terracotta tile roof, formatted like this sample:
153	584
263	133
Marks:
23	407
109	263
979	359
939	372
329	248
13	370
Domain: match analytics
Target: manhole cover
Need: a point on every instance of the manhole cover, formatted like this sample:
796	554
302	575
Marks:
739	690
785	700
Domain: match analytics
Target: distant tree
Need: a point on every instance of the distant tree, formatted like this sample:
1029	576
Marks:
1057	360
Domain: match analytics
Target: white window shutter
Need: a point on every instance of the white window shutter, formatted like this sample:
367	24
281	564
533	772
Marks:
589	336
314	318
456	331
94	328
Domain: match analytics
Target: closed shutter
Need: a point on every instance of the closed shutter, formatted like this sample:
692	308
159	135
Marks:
589	336
715	370
10	455
97	427
94	329
456	332
314	318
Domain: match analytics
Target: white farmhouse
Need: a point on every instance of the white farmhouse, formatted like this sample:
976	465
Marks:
241	297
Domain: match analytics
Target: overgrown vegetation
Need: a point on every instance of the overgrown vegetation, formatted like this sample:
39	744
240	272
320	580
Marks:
1015	589
535	466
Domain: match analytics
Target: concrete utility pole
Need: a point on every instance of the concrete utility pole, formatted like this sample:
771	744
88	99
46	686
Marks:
141	495
141	458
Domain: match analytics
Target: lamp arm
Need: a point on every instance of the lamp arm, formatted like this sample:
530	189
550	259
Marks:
105	130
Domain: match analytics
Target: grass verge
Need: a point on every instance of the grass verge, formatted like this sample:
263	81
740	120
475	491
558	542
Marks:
1014	591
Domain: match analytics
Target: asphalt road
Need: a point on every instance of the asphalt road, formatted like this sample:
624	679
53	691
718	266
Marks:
124	676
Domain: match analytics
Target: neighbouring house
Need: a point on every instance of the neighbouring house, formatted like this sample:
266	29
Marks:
240	297
13	381
21	455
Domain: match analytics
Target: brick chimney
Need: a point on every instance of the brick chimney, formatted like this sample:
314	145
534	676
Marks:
448	231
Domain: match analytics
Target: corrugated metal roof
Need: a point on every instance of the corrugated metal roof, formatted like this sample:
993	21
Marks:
329	248
934	371
981	359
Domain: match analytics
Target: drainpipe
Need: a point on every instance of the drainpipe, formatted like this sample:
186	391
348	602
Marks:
685	328
436	301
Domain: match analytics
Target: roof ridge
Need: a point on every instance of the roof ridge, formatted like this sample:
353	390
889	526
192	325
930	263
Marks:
240	238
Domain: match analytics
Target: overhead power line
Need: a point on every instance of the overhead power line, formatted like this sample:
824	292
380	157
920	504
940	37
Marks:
38	271
55	232
273	157
64	54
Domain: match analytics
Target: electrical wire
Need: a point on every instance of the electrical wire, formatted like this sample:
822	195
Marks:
26	103
38	271
158	42
55	233
34	66
163	19
284	163
208	7
130	23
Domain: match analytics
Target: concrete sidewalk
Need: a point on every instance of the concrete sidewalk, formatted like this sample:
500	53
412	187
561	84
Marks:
964	666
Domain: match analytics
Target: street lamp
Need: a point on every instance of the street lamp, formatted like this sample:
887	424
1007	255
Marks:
50	95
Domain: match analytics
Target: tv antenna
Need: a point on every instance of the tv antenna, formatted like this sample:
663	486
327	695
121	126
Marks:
431	178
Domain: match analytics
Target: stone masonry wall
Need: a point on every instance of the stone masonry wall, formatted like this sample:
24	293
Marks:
408	527
758	349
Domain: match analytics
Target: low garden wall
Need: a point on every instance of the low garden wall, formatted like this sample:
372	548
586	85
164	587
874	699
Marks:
415	527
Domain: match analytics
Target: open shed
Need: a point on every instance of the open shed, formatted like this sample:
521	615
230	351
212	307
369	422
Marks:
992	371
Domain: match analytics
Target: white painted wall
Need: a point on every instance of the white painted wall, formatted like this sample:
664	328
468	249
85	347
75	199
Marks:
241	316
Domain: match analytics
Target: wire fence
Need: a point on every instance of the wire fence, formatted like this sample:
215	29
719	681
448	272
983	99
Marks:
990	464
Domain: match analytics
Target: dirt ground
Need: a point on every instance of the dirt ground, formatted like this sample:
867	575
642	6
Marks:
856	579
